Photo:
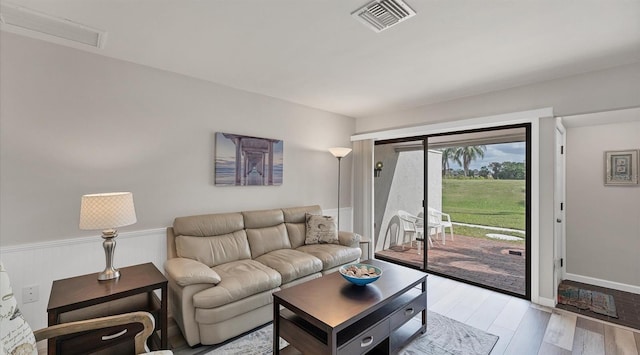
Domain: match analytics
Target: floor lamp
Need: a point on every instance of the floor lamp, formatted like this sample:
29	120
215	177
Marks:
339	153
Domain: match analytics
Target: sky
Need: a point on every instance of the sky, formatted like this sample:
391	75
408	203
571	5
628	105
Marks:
514	152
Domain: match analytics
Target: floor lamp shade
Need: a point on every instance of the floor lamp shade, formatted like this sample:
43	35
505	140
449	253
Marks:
339	152
107	212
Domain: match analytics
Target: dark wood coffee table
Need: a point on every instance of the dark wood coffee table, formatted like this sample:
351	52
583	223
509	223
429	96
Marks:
329	315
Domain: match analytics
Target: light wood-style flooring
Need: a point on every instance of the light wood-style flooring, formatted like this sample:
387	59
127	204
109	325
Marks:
525	328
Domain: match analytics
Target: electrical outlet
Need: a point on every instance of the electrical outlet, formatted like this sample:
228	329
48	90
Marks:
30	293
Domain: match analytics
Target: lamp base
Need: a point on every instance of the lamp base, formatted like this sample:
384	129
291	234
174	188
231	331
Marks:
109	274
109	245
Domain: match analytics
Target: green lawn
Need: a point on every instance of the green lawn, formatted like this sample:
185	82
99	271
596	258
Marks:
497	203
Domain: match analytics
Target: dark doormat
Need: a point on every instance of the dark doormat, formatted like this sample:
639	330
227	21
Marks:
581	298
626	304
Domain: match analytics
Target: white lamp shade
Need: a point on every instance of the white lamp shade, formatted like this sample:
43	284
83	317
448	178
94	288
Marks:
107	211
339	152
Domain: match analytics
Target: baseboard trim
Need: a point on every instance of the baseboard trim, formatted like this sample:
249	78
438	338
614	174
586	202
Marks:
547	302
603	283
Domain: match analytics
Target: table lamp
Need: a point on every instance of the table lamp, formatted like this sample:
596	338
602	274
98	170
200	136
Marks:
107	211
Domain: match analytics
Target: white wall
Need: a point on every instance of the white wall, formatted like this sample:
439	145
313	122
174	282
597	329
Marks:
400	185
74	123
591	92
42	263
603	222
546	216
604	90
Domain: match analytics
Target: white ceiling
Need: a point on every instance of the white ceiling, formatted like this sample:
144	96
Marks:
598	118
314	53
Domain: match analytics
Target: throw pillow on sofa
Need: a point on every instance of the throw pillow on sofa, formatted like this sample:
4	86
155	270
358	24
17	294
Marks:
321	230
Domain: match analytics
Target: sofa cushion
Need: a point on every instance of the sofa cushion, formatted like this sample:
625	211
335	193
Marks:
190	272
295	219
264	240
321	229
262	219
240	279
233	309
332	255
297	233
291	264
298	214
216	250
208	225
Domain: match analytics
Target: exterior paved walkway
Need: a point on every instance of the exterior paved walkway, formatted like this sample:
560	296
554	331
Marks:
483	261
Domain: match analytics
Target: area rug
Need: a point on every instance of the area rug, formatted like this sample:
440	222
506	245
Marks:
258	342
444	336
594	301
447	336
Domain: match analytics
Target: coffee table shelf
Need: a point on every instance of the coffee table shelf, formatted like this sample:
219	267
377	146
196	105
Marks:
352	319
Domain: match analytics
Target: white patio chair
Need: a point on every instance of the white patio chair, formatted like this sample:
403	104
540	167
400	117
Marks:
441	219
413	227
420	228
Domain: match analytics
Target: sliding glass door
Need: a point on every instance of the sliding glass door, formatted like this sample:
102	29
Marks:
399	180
475	226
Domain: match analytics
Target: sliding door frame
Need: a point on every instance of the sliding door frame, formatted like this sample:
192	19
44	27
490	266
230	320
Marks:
528	200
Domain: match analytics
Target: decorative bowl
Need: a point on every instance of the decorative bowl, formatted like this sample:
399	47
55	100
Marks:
360	280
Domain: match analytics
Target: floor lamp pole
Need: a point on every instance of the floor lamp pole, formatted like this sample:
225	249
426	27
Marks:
339	153
339	159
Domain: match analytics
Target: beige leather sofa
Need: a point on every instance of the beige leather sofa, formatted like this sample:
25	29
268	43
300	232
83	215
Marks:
223	268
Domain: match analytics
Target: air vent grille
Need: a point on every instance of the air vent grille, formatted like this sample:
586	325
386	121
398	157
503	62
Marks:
382	14
23	18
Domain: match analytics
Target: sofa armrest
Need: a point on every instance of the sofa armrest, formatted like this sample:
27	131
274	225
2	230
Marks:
187	272
349	239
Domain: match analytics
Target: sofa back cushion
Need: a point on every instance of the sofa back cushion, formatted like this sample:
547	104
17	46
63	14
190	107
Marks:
264	240
214	250
262	219
266	231
212	239
208	225
295	221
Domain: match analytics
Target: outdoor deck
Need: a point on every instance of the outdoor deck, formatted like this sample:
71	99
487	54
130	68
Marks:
484	261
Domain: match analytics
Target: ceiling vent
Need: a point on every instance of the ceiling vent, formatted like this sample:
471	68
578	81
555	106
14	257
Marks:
382	14
23	18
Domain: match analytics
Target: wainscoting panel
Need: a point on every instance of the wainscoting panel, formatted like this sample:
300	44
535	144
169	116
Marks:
42	263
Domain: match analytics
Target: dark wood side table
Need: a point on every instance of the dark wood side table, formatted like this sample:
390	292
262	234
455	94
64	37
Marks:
85	297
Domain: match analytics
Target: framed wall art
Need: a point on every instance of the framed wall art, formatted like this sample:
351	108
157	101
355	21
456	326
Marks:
244	160
621	167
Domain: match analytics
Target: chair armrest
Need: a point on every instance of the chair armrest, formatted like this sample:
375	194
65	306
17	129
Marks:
349	239
447	216
144	318
187	272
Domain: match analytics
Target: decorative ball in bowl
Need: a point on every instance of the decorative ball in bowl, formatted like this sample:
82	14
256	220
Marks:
360	274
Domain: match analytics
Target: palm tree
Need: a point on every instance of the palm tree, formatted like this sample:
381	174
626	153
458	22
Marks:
447	154
465	155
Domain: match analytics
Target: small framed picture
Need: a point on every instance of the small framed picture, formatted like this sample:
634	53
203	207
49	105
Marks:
621	167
